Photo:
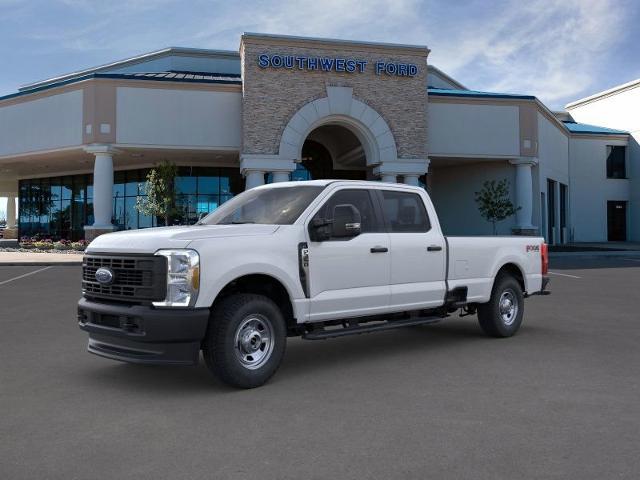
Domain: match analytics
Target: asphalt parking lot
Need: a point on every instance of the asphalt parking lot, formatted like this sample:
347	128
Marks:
559	400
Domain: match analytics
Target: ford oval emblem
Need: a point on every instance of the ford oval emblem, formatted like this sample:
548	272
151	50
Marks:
104	275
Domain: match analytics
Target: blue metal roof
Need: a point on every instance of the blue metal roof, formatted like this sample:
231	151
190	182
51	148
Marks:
187	77
444	92
575	127
176	75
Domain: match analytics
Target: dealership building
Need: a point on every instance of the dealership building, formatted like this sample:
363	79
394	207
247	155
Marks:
75	149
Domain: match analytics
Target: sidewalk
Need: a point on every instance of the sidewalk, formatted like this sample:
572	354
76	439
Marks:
37	259
608	249
596	253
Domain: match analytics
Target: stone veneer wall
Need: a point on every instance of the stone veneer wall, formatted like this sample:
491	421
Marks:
271	96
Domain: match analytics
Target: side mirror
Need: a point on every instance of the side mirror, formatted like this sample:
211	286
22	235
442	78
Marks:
346	221
320	229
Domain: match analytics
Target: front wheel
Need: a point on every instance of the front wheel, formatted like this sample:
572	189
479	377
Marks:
245	341
502	315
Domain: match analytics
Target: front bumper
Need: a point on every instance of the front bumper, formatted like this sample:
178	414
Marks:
143	334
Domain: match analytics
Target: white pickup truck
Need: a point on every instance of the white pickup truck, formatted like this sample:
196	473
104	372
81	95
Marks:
314	259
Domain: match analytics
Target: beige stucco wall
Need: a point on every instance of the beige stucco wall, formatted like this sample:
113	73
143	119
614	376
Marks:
178	117
50	122
473	129
272	96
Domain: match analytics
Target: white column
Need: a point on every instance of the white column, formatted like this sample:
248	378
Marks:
389	178
102	186
253	178
280	176
524	192
11	211
412	180
409	168
254	166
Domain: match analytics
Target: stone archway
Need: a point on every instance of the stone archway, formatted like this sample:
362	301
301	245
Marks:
340	108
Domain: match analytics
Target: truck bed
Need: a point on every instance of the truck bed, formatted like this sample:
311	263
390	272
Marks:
474	262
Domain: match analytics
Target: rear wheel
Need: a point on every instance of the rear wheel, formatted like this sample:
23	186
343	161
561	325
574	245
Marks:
245	341
502	315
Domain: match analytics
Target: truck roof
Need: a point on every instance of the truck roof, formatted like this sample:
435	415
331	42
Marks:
324	183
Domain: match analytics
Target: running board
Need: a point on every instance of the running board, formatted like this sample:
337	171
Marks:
321	334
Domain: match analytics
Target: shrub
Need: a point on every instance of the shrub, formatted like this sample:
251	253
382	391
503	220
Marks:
62	245
80	245
43	244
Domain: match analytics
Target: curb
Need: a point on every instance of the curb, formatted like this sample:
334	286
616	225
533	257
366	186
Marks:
616	253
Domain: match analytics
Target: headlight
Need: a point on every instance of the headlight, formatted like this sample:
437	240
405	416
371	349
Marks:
183	278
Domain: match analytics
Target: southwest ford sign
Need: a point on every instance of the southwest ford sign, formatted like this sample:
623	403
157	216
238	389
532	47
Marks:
331	64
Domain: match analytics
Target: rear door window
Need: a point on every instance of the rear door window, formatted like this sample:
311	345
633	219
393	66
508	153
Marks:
405	212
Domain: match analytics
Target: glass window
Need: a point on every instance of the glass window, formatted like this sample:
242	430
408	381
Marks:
56	189
119	215
131	185
186	185
131	214
90	218
90	186
62	206
119	179
616	161
361	199
186	206
226	186
206	204
67	188
65	217
273	206
79	187
145	221
405	212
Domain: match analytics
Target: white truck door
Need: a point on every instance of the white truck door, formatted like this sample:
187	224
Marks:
417	252
350	276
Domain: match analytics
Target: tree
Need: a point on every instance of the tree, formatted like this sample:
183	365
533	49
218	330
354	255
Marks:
160	199
493	202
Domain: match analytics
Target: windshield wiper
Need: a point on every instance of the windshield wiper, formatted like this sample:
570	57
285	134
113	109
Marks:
239	222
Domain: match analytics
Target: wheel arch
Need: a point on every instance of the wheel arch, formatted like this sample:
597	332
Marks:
513	269
261	284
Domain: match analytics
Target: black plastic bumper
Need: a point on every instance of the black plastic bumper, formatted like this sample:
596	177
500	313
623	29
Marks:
143	334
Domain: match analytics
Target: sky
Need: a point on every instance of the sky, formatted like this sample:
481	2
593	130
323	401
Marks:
558	50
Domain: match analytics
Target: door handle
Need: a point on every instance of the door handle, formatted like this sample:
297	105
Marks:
434	248
379	250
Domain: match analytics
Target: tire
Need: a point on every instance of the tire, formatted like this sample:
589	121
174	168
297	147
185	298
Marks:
502	315
245	341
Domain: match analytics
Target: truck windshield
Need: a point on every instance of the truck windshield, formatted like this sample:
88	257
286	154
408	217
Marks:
271	206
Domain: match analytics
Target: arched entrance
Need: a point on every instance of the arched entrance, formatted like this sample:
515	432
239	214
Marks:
337	136
333	151
355	135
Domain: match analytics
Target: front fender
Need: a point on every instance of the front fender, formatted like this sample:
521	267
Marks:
213	287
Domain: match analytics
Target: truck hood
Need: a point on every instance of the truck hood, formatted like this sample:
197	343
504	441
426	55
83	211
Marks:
149	240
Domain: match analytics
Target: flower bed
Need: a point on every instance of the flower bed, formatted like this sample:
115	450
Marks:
44	245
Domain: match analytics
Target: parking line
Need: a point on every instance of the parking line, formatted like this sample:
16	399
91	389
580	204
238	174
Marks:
564	275
25	275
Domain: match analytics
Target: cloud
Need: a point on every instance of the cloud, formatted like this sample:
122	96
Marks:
558	50
548	48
